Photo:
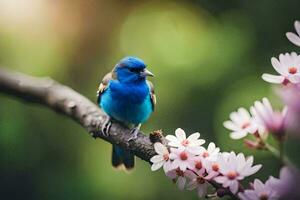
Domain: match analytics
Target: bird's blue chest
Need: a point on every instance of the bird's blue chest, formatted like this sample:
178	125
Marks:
129	103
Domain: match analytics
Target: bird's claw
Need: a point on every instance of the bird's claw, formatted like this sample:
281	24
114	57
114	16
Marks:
134	132
106	127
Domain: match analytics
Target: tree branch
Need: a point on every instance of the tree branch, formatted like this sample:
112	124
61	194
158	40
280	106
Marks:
65	100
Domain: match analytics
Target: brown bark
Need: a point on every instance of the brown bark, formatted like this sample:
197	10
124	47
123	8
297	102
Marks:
65	100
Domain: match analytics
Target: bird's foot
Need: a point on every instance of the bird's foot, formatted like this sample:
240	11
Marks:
134	132
106	126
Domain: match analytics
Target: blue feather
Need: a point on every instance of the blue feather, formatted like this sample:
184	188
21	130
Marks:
127	103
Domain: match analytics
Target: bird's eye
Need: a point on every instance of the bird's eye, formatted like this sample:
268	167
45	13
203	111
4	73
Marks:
134	70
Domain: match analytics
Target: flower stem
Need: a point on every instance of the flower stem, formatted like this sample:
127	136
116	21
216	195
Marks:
273	150
278	153
281	153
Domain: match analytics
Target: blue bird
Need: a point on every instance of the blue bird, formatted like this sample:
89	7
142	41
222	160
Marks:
126	96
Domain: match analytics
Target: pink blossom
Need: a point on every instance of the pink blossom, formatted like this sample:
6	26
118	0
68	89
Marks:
260	126
198	165
261	191
192	143
162	159
197	181
181	158
241	124
288	66
179	176
233	169
274	121
288	184
212	169
211	152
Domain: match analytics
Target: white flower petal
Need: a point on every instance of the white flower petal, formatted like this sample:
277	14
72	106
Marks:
181	182
250	160
227	183
293	38
167	166
278	67
211	147
171	174
211	175
284	59
234	116
264	113
258	185
201	191
173	156
268	105
217	150
156	158
173	141
231	126
183	165
171	138
193	136
297	26
174	144
234	187
196	150
252	170
273	78
220	179
241	161
180	134
198	142
160	148
238	135
156	166
244	113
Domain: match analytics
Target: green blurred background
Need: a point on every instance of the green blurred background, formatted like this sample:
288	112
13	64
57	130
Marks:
207	56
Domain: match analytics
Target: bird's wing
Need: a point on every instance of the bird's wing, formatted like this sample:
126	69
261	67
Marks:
152	94
103	85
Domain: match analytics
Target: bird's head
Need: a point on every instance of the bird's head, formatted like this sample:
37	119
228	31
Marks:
131	69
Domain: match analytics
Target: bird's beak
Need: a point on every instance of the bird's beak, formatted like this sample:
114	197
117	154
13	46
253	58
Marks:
146	72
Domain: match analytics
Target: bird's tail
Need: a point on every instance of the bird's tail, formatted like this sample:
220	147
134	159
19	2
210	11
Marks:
122	156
